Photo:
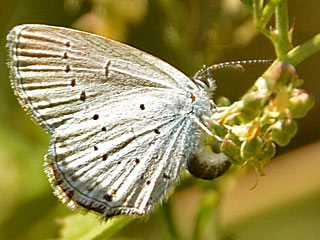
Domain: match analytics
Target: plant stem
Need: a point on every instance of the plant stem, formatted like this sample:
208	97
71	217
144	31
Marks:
303	51
281	36
258	17
257	10
268	12
167	220
205	224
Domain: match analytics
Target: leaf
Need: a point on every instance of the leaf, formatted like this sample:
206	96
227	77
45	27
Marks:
205	216
89	227
248	4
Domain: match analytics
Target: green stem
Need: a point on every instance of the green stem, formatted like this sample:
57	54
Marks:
257	11
167	220
257	17
267	12
303	51
206	223
281	36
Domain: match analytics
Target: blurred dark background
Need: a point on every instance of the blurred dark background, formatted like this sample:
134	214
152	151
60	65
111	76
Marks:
186	34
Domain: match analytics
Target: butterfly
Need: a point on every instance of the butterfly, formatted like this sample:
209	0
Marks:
124	124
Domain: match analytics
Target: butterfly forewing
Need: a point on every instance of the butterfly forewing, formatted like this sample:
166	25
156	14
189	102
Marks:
120	119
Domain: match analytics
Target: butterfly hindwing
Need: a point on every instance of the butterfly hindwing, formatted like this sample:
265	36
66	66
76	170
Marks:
120	119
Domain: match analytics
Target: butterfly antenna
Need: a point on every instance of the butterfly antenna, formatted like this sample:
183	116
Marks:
204	76
238	64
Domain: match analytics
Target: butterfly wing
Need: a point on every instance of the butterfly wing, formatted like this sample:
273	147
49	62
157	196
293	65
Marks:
120	119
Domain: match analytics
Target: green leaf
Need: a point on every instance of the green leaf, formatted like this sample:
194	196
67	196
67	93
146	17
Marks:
167	221
248	5
89	227
205	215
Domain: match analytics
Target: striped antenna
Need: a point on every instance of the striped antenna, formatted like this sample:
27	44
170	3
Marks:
235	63
204	76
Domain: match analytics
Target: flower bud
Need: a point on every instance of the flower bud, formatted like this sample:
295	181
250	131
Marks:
283	130
280	74
268	150
300	103
250	148
222	101
231	149
252	107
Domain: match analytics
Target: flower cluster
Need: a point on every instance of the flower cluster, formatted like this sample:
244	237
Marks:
248	130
